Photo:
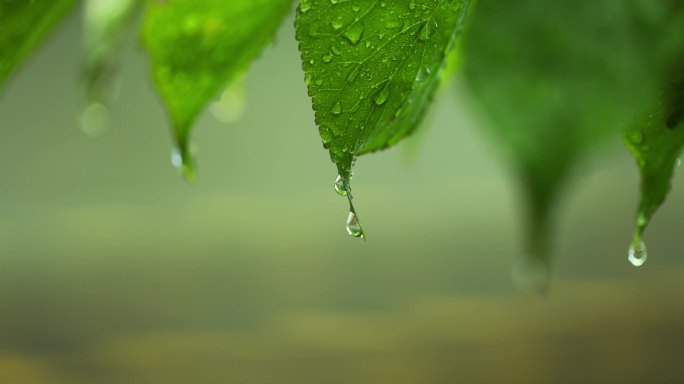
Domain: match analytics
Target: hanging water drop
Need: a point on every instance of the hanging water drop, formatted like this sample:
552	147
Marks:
531	274
341	186
354	227
95	119
637	254
183	163
176	158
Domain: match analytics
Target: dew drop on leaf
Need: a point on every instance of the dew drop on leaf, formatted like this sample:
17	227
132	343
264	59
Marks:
337	23
423	74
637	254
429	29
354	33
354	74
381	97
636	137
337	108
305	6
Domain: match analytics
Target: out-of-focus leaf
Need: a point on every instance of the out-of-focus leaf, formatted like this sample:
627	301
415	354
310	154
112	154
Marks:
372	68
104	25
558	77
656	142
23	26
198	46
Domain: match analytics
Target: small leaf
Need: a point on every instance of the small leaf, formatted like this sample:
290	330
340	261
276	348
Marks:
23	26
198	46
656	142
372	68
557	78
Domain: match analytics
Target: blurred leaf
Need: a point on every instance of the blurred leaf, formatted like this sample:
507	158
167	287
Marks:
656	142
198	46
558	77
104	25
372	68
23	26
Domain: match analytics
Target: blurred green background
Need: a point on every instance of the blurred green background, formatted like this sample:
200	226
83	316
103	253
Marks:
114	270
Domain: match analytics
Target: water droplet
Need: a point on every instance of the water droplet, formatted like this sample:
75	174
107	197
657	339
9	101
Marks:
354	33
184	164
176	158
326	136
381	97
398	112
305	6
356	8
95	119
392	24
341	186
337	108
637	254
429	29
327	58
335	50
354	227
412	4
354	74
423	74
337	23
531	274
319	81
636	137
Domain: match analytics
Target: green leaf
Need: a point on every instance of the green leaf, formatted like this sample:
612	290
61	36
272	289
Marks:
23	26
556	78
656	142
372	68
198	46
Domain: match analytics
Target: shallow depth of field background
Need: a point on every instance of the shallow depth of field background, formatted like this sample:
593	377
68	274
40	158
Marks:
114	270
